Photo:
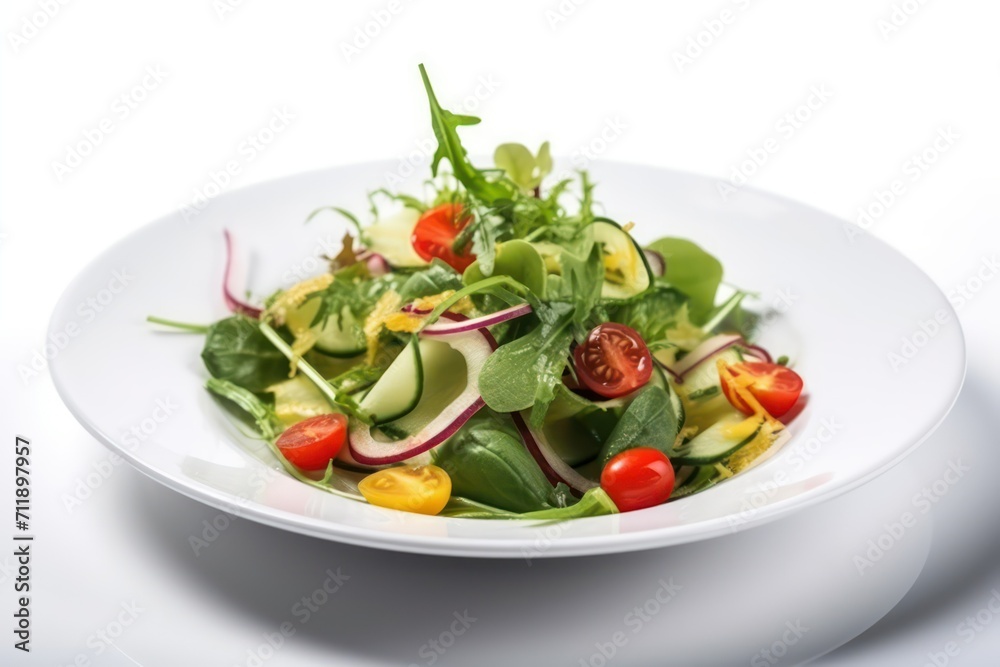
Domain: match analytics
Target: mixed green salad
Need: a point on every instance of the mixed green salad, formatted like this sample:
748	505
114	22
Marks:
499	349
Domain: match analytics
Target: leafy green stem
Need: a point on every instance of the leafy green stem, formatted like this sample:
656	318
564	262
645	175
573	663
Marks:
306	369
474	288
265	420
184	326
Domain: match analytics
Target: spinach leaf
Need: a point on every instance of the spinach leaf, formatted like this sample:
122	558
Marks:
446	124
439	277
524	372
693	271
649	421
652	314
236	350
517	259
488	463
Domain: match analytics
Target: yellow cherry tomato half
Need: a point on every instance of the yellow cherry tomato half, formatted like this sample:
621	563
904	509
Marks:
421	489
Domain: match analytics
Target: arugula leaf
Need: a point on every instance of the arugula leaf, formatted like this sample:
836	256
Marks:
693	271
352	289
524	372
267	423
446	124
594	502
523	168
488	463
580	282
237	351
649	421
269	428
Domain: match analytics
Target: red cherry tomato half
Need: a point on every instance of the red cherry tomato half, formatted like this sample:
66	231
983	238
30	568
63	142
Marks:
435	233
312	443
775	387
613	361
638	478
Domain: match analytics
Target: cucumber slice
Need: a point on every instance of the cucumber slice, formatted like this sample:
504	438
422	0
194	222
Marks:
705	375
399	389
444	378
715	443
341	337
626	270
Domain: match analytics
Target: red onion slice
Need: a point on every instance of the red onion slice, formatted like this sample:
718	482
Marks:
476	346
555	469
758	352
657	263
464	326
377	264
235	305
365	449
707	349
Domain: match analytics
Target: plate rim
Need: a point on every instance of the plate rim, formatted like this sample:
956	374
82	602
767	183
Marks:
464	546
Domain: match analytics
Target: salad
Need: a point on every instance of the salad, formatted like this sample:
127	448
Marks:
497	348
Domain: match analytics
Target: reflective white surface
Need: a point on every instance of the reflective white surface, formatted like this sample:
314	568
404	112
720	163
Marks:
837	307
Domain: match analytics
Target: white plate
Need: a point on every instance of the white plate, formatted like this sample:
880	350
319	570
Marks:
845	303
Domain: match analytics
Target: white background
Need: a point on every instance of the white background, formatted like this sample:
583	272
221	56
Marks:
555	71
